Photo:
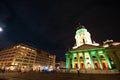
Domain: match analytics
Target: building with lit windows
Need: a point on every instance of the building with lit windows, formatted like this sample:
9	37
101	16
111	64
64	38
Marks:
44	59
86	54
24	57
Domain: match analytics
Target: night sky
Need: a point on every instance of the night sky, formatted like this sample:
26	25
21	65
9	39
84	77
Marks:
51	24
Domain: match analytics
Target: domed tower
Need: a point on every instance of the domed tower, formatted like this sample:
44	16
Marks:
82	36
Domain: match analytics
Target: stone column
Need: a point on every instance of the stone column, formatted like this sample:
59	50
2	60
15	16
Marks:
99	60
84	60
108	61
91	61
78	60
72	60
67	61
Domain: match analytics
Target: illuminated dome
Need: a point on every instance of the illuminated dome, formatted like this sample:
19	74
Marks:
82	36
81	29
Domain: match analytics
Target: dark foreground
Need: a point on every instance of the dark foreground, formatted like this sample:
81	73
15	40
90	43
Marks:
57	76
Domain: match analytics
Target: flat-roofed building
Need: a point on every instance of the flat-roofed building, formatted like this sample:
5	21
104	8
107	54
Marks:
24	57
44	59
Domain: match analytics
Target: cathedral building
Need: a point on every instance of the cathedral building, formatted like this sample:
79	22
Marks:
86	54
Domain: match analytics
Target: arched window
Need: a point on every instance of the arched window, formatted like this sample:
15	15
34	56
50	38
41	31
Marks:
93	56
81	57
75	58
101	56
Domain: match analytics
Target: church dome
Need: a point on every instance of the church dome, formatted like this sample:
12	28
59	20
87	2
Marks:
81	29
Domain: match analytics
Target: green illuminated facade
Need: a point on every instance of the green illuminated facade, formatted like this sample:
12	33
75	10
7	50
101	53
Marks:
86	55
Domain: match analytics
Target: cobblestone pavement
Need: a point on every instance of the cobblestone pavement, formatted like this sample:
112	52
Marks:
57	76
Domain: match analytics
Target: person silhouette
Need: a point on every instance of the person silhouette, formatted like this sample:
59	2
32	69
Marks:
78	71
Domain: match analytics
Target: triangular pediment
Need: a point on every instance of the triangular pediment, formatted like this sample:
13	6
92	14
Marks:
87	47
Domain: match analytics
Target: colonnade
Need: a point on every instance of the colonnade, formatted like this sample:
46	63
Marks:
88	60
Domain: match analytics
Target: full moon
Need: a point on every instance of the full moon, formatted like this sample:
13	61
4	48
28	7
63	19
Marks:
1	29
